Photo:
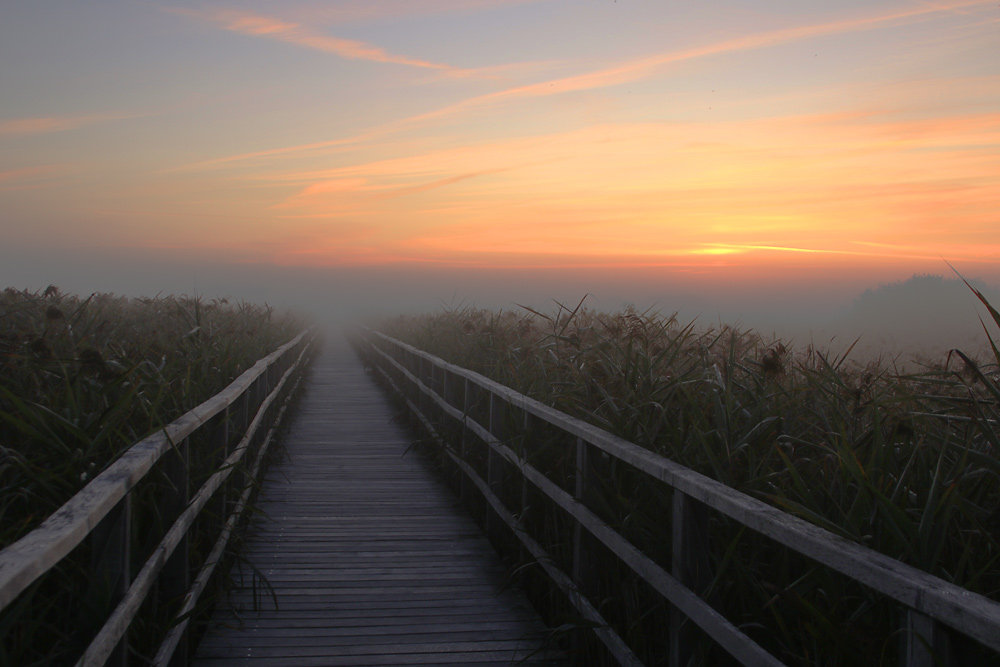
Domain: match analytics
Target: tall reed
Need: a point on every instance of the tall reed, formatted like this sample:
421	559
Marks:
81	379
905	462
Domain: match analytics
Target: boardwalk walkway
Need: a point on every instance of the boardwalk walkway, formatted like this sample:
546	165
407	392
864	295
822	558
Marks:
371	560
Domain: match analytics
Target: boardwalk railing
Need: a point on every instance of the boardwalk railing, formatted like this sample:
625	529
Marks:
232	431
490	432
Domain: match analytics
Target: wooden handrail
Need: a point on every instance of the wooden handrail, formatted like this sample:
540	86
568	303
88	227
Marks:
926	598
31	557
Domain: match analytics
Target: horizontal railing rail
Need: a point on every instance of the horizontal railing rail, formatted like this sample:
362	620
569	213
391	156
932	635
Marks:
448	399
239	423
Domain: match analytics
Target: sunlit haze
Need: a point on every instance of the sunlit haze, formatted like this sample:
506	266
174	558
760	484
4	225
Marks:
729	159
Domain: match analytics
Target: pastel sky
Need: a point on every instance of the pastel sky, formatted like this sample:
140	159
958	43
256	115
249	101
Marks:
720	143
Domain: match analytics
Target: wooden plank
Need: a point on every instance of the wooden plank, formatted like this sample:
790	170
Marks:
370	557
379	648
387	626
325	610
480	659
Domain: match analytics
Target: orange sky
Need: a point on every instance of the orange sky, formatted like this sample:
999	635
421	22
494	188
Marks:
772	141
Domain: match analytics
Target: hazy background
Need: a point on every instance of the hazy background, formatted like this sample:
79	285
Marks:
788	166
920	316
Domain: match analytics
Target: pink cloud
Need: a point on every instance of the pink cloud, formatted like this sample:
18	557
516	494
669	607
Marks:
300	35
625	72
259	25
28	177
48	124
440	183
642	68
366	10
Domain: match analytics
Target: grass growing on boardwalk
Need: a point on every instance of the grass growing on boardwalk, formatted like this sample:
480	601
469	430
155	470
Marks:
81	379
907	463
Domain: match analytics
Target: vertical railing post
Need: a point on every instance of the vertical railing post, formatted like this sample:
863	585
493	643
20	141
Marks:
219	447
242	423
924	642
447	425
522	551
437	386
259	397
463	445
579	493
691	567
449	379
175	577
578	639
425	376
110	565
494	469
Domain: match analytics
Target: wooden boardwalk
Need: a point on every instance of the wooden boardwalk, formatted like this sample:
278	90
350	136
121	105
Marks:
371	559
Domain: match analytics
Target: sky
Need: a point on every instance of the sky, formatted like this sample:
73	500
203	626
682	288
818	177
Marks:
730	158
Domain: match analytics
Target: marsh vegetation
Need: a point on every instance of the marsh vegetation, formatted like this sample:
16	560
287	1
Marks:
904	462
82	380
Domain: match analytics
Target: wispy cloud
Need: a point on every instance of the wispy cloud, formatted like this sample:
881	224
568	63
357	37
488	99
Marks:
256	25
285	150
352	11
642	68
48	124
622	73
27	178
884	250
709	190
439	183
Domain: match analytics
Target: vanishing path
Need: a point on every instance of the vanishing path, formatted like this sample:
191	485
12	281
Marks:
371	559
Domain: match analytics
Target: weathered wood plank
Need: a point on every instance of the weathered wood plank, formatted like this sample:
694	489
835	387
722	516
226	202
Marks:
480	659
370	556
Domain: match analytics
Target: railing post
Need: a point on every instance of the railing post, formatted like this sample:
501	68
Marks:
176	574
259	395
436	386
493	460
579	493
237	478
463	445
448	387
219	448
447	425
924	642
522	551
422	379
111	554
691	567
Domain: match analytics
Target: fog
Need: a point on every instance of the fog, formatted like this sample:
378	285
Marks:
910	316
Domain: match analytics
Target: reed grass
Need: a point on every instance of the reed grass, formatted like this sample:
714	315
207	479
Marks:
904	462
81	379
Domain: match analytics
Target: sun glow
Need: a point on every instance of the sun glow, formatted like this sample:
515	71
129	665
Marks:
832	139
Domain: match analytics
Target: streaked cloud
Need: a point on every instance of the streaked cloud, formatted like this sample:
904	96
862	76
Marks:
626	72
351	11
257	25
642	68
15	127
30	177
757	184
630	135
